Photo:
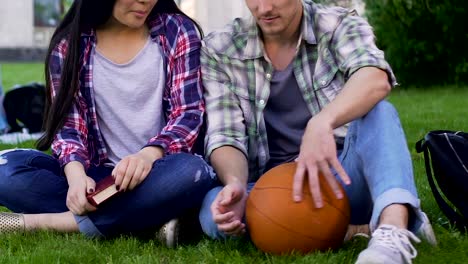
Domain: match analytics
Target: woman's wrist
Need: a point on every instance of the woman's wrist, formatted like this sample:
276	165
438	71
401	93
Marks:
74	170
152	153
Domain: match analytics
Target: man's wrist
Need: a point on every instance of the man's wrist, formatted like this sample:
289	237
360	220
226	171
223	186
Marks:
236	181
323	118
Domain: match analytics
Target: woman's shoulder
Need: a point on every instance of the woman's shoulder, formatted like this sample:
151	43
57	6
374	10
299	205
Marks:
60	47
165	23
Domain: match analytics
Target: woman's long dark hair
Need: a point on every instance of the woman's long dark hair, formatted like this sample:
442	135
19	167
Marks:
83	15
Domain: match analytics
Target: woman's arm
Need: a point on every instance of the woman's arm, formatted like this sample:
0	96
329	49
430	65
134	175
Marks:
69	144
183	101
70	141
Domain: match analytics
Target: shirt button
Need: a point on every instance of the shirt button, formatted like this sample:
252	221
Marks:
323	82
262	102
268	76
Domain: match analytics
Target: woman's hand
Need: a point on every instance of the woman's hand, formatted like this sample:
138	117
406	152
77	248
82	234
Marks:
76	195
133	169
79	184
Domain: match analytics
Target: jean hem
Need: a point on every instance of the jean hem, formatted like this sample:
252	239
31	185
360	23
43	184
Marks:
87	227
397	196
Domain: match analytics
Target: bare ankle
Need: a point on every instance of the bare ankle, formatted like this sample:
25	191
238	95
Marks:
31	222
396	215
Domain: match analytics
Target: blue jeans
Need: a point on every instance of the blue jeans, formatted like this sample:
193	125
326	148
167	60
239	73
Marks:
376	157
33	182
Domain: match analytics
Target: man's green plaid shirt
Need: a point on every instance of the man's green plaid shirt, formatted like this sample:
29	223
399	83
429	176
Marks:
236	73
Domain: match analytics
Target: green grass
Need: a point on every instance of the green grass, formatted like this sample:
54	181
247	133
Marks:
420	111
21	73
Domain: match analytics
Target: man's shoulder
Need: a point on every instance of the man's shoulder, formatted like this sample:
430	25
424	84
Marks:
232	37
326	18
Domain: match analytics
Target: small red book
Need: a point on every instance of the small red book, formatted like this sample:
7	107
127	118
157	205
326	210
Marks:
104	190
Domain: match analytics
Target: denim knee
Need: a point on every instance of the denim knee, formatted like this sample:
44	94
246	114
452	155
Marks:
209	227
30	182
385	106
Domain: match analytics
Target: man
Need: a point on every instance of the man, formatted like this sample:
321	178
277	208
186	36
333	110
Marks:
306	83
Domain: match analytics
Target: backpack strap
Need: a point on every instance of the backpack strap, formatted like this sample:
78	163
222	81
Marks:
454	218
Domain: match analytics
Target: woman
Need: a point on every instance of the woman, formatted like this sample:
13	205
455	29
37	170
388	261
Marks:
125	99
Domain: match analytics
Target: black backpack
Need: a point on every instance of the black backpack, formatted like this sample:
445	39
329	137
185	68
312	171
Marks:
446	161
25	104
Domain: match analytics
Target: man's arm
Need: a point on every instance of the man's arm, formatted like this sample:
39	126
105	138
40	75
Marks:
228	207
369	80
230	165
364	89
226	142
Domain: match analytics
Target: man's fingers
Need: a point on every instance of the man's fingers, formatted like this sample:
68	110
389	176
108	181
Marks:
230	227
341	172
238	231
331	180
314	186
221	218
298	182
226	197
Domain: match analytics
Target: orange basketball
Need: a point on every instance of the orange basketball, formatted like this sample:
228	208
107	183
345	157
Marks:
278	225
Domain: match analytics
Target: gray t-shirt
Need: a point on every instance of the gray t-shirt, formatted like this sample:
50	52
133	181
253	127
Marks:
129	100
286	116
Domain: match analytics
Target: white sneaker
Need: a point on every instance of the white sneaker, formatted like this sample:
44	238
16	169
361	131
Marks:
168	234
425	232
389	245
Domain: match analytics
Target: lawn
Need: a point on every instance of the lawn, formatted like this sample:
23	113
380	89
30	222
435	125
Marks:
420	110
21	73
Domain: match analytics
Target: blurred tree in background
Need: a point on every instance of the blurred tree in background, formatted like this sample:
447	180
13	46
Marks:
425	41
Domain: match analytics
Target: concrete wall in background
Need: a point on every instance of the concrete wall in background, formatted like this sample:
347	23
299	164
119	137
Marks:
16	23
214	14
20	39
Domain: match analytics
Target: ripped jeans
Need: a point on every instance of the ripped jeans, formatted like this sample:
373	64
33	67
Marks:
32	182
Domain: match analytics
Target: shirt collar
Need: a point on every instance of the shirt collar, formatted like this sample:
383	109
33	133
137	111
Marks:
254	46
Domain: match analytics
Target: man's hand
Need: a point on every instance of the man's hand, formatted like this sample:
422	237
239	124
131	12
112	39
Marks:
318	155
228	209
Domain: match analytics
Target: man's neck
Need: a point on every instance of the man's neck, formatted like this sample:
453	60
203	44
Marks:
281	50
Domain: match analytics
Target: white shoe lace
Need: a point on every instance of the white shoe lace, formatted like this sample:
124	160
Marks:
396	239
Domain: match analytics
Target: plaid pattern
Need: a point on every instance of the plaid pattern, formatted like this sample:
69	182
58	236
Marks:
80	139
334	44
